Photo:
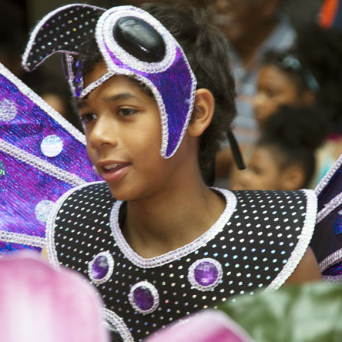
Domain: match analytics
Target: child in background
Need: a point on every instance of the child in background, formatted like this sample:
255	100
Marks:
284	155
156	241
308	74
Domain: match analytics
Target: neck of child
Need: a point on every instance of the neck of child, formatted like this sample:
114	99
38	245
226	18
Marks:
160	224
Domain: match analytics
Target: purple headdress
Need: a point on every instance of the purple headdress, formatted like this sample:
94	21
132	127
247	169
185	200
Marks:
132	43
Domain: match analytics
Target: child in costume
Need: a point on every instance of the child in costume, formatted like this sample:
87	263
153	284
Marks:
155	97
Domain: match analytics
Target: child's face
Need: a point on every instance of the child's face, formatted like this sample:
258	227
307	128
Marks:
263	172
123	132
274	88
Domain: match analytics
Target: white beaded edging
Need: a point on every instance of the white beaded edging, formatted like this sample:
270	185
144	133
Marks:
331	260
118	323
110	260
303	242
43	105
163	259
191	274
333	279
329	207
154	293
50	224
40	164
22	239
325	180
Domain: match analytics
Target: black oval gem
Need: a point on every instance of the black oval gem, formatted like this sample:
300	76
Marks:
139	39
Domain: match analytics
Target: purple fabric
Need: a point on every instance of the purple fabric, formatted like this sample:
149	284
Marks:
32	124
21	189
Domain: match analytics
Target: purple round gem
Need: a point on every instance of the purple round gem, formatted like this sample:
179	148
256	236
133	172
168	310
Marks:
143	298
100	267
206	273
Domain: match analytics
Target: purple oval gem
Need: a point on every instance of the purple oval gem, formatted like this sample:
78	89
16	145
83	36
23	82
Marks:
143	298
100	267
206	273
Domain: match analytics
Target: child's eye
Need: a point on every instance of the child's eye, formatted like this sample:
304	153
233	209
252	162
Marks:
86	118
126	111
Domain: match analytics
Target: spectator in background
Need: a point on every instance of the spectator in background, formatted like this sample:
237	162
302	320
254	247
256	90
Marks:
251	27
309	75
284	155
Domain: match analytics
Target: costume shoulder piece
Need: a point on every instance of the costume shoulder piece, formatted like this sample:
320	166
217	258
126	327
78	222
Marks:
41	157
327	239
256	243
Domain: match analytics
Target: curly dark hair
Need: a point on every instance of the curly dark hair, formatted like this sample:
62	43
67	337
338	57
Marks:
294	133
206	51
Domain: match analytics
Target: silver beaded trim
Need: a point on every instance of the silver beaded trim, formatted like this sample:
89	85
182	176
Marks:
43	105
303	242
110	260
95	84
40	164
333	279
329	207
50	224
163	259
22	239
154	293
117	323
325	180
331	260
191	274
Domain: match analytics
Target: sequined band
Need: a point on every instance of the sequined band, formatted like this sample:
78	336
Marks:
118	323
144	297
329	207
101	268
207	276
325	180
333	279
330	260
94	85
303	242
50	225
163	259
22	239
43	105
40	164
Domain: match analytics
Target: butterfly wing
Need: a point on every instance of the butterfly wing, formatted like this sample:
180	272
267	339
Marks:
41	156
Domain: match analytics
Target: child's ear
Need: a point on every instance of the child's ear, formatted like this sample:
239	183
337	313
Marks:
308	97
203	112
293	178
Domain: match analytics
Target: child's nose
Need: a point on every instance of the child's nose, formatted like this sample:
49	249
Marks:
103	133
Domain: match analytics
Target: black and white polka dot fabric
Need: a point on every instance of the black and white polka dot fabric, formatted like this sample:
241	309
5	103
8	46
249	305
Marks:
257	243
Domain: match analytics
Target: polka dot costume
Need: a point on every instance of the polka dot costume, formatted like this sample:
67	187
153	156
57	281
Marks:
256	243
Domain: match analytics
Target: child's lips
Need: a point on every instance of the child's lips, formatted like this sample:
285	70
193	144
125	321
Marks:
113	170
